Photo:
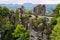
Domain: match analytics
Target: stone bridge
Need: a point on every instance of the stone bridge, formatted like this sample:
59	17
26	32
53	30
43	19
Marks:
47	18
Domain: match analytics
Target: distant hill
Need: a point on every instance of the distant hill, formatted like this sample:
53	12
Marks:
28	6
11	6
50	8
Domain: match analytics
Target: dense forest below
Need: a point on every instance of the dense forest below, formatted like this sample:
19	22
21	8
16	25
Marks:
15	26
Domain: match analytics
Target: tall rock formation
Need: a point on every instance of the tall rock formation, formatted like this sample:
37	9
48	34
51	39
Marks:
39	10
23	17
12	17
21	12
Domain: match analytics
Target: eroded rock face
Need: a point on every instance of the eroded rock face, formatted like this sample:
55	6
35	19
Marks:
12	17
21	12
39	10
40	32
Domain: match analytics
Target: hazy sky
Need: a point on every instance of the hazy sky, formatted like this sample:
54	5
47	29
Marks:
29	1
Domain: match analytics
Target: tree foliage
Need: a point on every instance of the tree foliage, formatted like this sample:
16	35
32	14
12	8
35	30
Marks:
53	21
56	31
28	12
5	11
57	9
20	32
17	16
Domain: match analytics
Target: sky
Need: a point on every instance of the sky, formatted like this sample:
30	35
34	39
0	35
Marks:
29	1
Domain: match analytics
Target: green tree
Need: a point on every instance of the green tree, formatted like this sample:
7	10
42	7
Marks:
28	12
11	10
7	30
0	10
53	21
17	16
8	25
57	9
20	32
56	31
5	11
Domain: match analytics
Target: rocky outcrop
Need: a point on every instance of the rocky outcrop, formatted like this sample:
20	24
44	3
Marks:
41	31
12	17
21	12
37	31
39	10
